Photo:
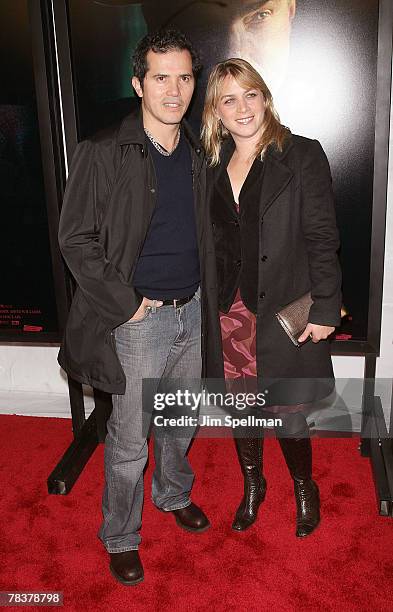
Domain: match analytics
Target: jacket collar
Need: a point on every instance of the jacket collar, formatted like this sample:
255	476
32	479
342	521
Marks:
221	181
272	150
131	131
276	175
228	147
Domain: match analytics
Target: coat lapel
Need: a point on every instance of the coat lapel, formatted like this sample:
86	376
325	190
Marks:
276	177
221	178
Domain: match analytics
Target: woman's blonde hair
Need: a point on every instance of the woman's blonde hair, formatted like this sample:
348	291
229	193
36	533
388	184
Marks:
213	131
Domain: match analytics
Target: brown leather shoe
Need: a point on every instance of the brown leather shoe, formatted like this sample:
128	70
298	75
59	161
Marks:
126	567
191	518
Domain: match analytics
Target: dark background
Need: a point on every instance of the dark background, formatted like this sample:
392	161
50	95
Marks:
27	297
329	94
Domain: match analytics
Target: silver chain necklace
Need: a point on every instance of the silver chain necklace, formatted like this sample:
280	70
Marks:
157	145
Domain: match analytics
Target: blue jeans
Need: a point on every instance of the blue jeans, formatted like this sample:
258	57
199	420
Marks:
165	344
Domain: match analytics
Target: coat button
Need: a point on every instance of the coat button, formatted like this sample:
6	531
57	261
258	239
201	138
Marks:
264	258
262	295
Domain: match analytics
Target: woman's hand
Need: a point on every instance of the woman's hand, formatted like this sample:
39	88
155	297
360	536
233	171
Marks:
317	332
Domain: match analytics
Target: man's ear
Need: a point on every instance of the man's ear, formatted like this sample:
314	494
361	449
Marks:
137	86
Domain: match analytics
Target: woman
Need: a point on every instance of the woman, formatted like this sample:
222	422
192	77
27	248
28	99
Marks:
276	239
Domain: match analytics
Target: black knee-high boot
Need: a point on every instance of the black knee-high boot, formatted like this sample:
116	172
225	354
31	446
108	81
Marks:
249	452
298	456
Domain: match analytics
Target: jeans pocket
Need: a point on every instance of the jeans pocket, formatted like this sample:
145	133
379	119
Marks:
136	321
197	294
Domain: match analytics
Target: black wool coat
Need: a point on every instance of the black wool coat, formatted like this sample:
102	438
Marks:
297	252
107	208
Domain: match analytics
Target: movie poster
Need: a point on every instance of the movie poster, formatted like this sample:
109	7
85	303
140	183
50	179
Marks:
319	59
27	297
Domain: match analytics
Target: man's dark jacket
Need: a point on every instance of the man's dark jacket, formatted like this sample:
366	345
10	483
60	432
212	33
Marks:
109	201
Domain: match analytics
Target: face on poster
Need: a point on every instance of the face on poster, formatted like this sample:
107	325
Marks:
256	31
318	58
260	34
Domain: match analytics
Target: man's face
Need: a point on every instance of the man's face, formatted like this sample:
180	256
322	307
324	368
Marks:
167	88
260	34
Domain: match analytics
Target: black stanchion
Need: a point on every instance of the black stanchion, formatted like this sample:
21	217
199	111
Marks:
376	442
87	435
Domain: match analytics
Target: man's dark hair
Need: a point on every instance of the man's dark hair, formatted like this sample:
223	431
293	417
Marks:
161	42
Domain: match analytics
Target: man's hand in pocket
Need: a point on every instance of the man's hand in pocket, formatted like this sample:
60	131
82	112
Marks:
146	303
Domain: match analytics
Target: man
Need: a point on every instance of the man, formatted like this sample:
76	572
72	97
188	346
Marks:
134	233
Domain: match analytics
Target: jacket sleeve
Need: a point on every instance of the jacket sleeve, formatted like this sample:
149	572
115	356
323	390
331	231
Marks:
86	196
321	236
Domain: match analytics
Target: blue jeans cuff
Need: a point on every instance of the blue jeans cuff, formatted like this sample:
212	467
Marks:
122	549
176	506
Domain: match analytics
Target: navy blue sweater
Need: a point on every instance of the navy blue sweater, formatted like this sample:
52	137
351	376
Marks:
168	266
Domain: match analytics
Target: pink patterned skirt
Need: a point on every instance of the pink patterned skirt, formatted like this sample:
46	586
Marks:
238	332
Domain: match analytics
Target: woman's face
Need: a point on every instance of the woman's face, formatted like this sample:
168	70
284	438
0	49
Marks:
241	110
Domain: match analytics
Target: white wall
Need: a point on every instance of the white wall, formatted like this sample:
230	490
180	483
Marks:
32	382
31	369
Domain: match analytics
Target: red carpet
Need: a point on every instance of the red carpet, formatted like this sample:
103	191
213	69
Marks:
49	542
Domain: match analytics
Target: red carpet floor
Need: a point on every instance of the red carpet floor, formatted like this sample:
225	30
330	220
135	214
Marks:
49	542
